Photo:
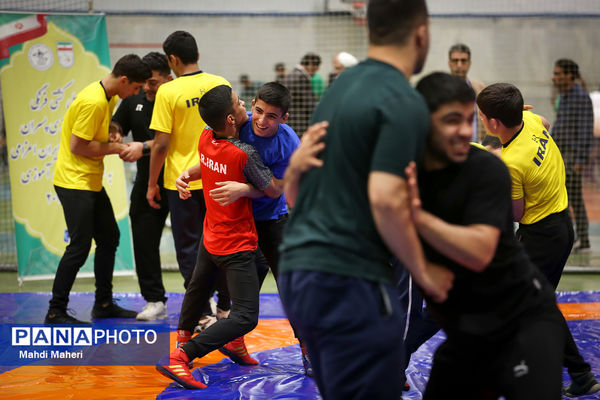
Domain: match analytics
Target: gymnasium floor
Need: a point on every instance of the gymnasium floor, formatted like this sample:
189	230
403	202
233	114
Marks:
279	375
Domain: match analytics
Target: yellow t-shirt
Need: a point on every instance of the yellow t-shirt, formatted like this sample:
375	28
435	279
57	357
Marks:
88	117
176	113
536	169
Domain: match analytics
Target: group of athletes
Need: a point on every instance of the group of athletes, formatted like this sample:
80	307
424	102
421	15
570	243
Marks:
386	188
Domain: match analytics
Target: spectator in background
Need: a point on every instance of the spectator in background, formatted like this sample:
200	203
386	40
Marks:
303	98
248	90
573	132
459	61
341	61
279	72
134	114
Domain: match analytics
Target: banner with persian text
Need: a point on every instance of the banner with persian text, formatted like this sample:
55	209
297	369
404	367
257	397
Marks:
45	60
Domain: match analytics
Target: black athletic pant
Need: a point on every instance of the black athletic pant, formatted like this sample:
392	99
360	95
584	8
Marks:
147	225
187	222
523	365
548	244
89	215
270	235
242	281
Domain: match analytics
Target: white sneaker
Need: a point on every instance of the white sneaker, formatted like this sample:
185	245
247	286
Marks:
153	310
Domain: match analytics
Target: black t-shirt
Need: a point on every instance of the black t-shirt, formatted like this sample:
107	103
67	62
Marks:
134	114
481	303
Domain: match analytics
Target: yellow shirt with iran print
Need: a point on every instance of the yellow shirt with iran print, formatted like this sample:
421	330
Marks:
88	117
176	113
537	170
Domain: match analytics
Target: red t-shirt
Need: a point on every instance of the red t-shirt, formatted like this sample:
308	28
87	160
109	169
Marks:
229	229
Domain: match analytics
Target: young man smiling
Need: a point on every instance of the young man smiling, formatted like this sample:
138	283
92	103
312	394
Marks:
229	239
501	321
275	142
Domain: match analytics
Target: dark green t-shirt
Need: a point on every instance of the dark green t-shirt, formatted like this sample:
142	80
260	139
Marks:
377	122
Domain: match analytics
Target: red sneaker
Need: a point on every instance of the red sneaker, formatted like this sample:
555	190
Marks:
182	338
178	370
236	350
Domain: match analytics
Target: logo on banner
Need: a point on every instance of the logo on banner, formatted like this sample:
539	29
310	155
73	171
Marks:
64	50
40	56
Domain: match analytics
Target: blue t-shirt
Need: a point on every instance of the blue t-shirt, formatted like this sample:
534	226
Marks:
275	152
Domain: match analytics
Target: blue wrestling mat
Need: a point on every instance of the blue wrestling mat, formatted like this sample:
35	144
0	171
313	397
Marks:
279	375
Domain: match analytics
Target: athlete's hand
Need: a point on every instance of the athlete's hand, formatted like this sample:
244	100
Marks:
132	151
153	193
437	282
115	133
229	191
306	155
182	185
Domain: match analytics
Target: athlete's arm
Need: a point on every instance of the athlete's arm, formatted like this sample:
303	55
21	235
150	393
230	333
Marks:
93	148
157	160
229	191
389	199
518	209
472	246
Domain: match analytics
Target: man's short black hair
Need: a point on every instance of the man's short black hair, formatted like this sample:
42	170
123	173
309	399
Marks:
157	62
392	21
215	105
460	48
568	67
183	45
132	66
502	101
439	88
275	94
311	59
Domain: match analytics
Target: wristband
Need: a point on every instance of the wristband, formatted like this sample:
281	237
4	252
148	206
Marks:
145	149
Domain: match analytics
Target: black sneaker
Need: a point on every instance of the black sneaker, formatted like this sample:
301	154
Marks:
61	317
581	385
111	310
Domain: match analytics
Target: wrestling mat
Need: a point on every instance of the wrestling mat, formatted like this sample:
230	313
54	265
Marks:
280	374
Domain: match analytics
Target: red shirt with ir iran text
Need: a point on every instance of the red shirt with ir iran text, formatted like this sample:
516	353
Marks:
229	229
